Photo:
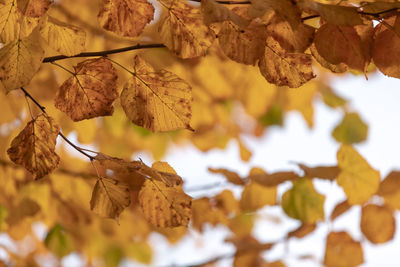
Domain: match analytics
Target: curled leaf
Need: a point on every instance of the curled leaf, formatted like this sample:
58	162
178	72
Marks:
34	146
90	92
125	17
159	101
109	198
165	206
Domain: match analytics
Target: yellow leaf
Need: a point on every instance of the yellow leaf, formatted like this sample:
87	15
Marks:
33	8
351	129
90	92
255	196
273	179
303	202
125	17
342	251
245	153
156	100
358	180
182	30
67	39
204	212
86	131
387	40
215	12
242	45
282	68
13	24
377	223
139	251
389	189
165	206
19	61
242	224
109	198
339	209
34	146
227	202
302	230
330	98
323	172
231	176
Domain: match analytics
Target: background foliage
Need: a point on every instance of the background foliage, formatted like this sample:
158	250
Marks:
126	76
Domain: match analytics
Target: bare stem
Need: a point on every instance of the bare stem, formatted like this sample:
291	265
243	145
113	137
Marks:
60	133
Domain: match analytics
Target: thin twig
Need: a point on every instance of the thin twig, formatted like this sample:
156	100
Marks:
105	52
60	133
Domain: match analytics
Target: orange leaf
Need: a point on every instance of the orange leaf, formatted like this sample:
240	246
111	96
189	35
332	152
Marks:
302	231
34	146
33	8
342	251
339	209
90	92
377	223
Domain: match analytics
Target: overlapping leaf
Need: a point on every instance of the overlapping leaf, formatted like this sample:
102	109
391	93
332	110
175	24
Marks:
90	92
125	17
109	198
358	180
342	251
19	62
165	206
13	24
33	8
389	189
215	12
34	147
182	30
282	68
157	100
67	39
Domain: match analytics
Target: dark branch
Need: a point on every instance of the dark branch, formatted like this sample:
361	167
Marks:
105	52
60	133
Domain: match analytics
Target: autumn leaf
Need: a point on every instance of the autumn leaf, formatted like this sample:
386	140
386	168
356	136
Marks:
182	30
255	196
303	202
231	176
389	189
387	40
125	17
24	208
67	39
342	251
242	45
302	231
282	68
323	172
215	12
340	209
358	180
13	24
204	212
34	146
285	8
90	92
109	198
330	98
377	223
227	202
159	101
58	241
351	129
33	8
19	62
273	179
336	68
165	206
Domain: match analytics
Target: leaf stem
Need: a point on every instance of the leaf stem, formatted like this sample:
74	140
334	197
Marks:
104	52
28	95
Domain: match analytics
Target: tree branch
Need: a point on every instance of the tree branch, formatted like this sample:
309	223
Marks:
105	52
60	133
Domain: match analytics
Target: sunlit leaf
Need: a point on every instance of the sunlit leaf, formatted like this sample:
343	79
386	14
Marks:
165	206
282	68
377	223
19	62
90	92
342	251
67	39
34	147
204	212
109	198
125	17
33	8
58	242
157	100
358	180
215	12
389	189
182	30
255	196
303	202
